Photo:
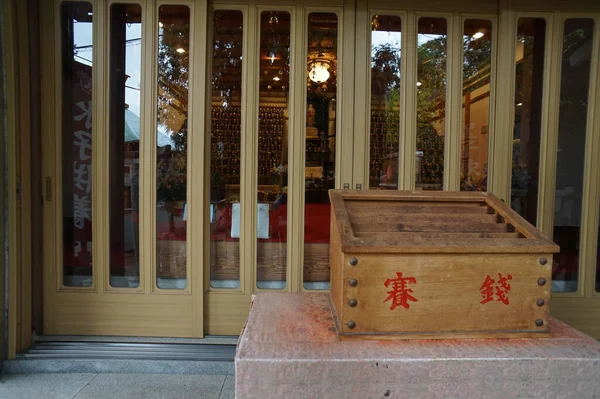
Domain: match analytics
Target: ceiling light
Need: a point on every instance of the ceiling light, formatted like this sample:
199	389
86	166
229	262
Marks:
277	78
519	104
419	84
319	72
478	35
180	50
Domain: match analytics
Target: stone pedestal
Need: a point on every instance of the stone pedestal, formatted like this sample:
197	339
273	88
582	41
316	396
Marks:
289	349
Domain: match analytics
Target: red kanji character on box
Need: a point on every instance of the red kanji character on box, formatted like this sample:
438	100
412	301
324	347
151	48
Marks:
400	294
501	286
487	289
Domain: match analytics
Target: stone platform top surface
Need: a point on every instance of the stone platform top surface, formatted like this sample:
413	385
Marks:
300	326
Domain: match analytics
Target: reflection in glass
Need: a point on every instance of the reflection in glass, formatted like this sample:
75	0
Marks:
171	143
574	90
76	142
477	70
319	171
225	149
385	101
124	143
531	41
431	102
273	150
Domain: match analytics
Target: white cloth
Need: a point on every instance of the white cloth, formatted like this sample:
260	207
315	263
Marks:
262	218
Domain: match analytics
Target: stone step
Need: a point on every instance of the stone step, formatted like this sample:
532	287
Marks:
124	357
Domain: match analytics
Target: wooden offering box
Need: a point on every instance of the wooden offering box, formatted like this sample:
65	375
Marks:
436	265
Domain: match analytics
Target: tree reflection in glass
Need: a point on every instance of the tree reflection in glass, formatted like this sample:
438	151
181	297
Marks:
385	102
171	142
124	145
431	102
477	72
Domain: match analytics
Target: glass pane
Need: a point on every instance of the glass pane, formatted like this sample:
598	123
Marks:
319	171
171	142
226	124
477	71
124	149
77	65
431	102
385	101
273	150
574	88
531	42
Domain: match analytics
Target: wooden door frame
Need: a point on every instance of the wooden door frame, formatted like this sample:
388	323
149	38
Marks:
3	195
224	307
507	13
227	309
582	307
455	13
346	13
17	95
499	182
181	311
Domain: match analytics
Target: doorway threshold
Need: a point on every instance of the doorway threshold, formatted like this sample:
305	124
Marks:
207	340
107	354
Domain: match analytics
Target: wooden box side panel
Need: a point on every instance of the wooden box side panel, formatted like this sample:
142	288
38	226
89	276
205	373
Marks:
336	264
436	293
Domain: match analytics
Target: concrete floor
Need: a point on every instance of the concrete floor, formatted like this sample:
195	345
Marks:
115	386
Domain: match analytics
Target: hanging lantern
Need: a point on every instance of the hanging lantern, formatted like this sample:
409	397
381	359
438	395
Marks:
319	71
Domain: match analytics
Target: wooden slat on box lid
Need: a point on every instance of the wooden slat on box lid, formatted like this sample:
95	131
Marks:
432	222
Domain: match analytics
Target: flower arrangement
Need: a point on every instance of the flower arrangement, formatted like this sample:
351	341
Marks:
474	182
279	170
